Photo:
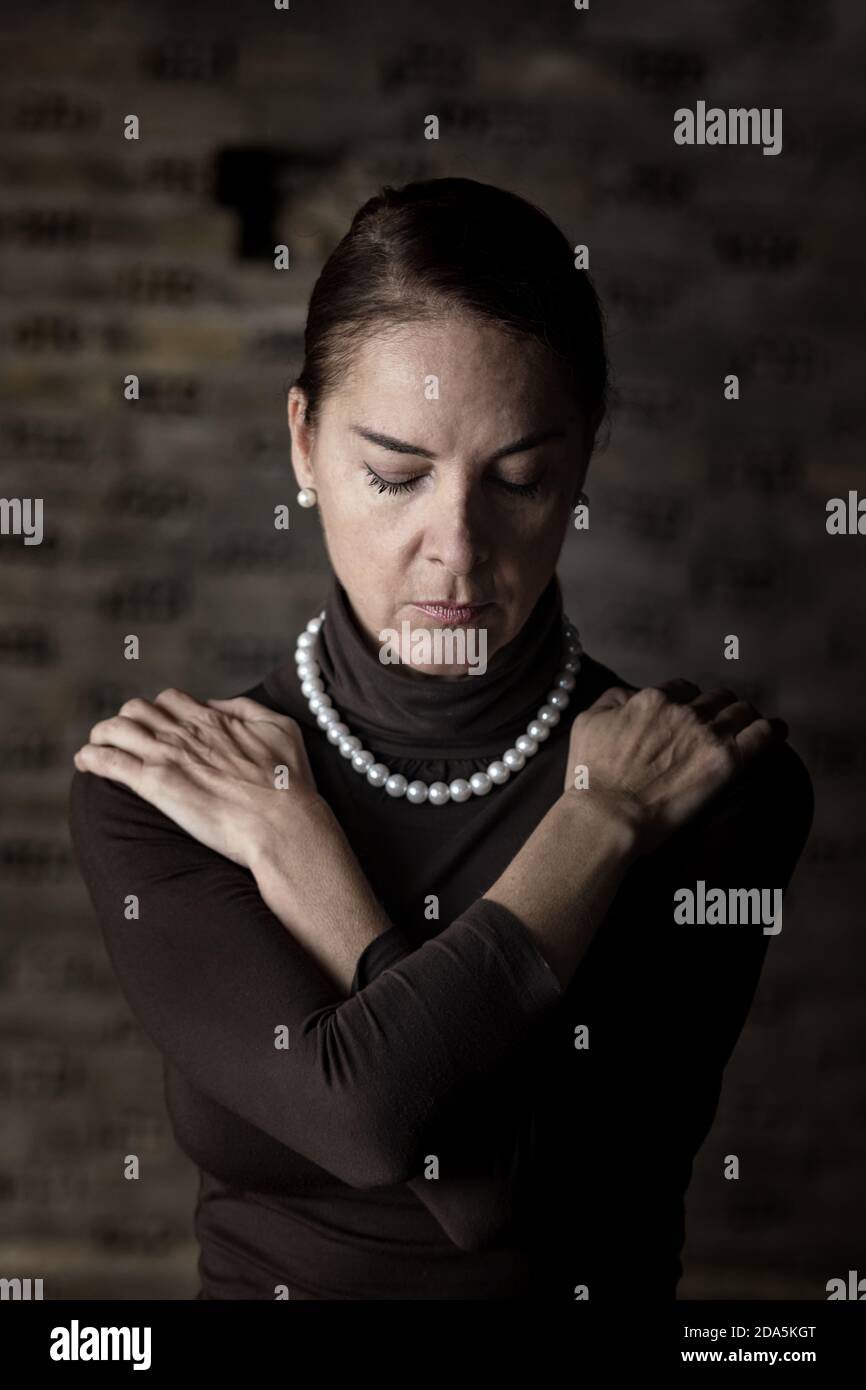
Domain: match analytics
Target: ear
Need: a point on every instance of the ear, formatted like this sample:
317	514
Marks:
303	437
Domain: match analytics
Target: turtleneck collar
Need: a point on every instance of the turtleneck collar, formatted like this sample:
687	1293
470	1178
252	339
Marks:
436	715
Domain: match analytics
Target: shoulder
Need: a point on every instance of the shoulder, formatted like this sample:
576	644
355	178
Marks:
106	818
99	802
596	678
772	794
100	810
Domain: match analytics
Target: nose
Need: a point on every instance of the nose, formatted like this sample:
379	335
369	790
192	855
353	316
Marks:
456	533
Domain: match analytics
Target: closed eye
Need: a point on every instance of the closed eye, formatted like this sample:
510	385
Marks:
383	485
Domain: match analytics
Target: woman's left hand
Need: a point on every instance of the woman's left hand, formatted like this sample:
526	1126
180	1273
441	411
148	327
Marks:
229	772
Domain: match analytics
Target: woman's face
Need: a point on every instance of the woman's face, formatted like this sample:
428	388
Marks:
446	467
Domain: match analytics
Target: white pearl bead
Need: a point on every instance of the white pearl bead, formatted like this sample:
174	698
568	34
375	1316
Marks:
377	774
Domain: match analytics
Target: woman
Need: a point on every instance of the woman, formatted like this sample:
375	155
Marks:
405	933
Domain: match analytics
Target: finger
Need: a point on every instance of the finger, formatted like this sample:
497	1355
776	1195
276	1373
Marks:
150	716
124	733
734	718
110	762
679	690
712	702
179	703
242	707
757	735
612	697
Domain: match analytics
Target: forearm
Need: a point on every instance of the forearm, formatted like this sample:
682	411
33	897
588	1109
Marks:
312	882
563	880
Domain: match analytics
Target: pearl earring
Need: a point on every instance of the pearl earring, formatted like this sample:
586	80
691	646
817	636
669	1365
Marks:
307	497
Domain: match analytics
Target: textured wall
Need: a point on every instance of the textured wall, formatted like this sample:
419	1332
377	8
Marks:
708	516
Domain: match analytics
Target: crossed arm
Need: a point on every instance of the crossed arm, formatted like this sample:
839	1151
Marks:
221	954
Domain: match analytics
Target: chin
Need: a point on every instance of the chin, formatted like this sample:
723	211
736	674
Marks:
440	670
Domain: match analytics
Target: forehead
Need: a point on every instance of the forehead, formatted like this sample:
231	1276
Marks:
455	377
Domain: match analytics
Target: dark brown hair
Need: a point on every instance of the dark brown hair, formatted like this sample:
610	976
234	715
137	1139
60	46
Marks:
438	246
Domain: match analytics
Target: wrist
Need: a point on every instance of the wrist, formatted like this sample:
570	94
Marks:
617	820
275	840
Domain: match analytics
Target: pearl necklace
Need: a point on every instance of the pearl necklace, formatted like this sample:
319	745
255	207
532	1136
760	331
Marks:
437	793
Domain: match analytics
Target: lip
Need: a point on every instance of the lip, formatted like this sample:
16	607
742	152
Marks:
452	612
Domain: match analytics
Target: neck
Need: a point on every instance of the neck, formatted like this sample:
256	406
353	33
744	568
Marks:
394	704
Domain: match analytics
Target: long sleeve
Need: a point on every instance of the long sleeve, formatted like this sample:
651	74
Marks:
666	1003
213	976
478	1146
701	979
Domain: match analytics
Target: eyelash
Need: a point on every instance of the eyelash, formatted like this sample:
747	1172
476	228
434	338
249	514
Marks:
382	485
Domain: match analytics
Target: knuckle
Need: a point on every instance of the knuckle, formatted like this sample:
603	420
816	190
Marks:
651	696
727	754
160	774
169	739
136	705
213	717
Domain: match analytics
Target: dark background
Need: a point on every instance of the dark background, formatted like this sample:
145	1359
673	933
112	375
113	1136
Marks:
261	127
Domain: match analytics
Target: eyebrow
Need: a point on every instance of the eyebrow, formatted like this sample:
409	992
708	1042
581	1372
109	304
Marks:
399	446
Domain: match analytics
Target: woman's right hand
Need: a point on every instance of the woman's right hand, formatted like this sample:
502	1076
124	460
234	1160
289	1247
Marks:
656	755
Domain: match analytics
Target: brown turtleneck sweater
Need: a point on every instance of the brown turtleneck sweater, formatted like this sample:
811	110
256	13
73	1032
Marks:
558	1165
